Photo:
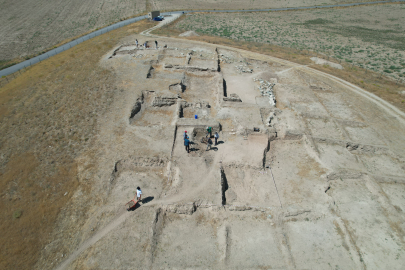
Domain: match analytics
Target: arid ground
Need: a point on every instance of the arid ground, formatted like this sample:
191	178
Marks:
28	28
49	116
308	172
371	37
313	182
240	4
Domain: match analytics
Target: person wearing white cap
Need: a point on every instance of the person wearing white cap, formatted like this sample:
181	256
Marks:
209	131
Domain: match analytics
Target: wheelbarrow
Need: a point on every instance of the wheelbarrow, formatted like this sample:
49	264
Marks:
131	204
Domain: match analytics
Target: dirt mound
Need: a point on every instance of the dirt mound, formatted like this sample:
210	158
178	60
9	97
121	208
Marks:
189	34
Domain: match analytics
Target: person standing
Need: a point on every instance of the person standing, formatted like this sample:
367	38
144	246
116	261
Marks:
209	144
145	44
156	44
209	131
185	135
138	194
216	136
187	144
138	199
136	42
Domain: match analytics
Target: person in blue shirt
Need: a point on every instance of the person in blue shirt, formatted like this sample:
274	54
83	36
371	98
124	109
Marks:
187	144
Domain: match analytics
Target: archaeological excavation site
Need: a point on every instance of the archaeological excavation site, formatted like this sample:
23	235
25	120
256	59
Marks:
308	171
199	135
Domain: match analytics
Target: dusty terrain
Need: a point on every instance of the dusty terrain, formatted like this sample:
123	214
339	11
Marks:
49	116
370	37
240	4
28	28
318	185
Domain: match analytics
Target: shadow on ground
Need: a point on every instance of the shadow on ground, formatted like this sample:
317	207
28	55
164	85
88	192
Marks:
146	200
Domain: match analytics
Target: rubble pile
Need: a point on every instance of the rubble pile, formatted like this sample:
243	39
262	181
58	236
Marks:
244	69
266	89
225	59
197	105
167	100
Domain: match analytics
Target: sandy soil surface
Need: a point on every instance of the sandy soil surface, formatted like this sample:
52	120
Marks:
367	36
28	28
314	182
50	115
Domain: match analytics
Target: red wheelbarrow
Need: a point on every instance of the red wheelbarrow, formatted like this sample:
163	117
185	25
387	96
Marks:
131	204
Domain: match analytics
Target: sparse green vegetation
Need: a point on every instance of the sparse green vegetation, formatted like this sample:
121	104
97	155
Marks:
6	63
17	214
333	32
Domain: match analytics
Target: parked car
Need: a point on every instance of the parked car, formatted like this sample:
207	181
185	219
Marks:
158	18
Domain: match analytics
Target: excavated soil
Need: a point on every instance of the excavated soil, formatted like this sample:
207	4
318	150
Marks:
315	181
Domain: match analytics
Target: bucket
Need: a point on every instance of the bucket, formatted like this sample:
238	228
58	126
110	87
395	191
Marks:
195	117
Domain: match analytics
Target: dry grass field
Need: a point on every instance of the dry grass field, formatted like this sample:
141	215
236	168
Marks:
49	115
371	37
29	28
243	4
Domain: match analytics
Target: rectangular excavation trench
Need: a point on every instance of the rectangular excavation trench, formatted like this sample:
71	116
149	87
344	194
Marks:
152	109
247	179
224	185
136	109
224	88
179	238
189	110
196	134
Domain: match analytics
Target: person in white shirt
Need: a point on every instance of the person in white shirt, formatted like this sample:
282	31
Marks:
132	203
216	136
138	194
